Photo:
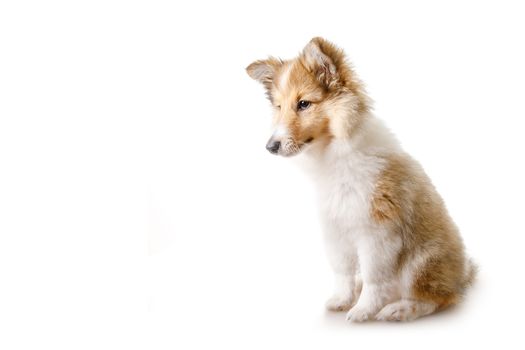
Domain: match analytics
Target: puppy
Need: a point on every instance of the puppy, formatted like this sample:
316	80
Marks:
395	252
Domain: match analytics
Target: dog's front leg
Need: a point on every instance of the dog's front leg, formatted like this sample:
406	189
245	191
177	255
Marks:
342	255
378	252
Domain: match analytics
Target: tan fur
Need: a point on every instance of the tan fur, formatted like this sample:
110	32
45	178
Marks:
406	199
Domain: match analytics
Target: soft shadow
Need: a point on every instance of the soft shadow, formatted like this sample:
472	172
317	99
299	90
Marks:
335	320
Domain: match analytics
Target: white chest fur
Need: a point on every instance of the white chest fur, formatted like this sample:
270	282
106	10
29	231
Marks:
345	185
345	174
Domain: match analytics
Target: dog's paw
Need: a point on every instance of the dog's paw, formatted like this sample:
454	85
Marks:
338	303
405	310
393	312
360	314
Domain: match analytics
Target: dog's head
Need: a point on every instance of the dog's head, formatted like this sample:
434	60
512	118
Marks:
316	97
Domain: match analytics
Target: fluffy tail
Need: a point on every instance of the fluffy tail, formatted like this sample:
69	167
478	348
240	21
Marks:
471	271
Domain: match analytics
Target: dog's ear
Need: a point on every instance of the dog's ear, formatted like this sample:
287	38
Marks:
264	70
323	59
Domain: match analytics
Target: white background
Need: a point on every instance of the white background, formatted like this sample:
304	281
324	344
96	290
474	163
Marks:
140	210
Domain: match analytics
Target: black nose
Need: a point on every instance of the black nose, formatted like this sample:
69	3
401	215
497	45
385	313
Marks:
273	146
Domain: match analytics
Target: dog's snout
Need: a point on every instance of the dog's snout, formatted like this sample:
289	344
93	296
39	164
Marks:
273	146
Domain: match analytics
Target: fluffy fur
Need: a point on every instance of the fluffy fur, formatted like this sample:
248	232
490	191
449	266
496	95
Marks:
396	253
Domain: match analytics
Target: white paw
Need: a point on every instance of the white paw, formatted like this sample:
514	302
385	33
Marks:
359	314
338	303
395	312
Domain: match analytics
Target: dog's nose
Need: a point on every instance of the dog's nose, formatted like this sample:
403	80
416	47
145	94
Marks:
273	146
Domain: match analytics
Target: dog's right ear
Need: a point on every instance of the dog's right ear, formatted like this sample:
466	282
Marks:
264	70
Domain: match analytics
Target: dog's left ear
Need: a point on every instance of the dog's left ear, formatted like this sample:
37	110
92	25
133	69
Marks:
264	70
322	58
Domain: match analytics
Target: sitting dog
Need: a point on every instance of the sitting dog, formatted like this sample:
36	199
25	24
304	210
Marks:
396	253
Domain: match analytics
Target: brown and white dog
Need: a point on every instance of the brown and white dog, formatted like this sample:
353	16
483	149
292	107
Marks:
385	226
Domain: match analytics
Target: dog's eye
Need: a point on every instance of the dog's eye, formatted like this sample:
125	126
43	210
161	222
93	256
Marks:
302	105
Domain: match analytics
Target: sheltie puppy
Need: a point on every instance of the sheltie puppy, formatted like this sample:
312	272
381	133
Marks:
395	252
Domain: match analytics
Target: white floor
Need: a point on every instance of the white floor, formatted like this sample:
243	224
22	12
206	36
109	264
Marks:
258	299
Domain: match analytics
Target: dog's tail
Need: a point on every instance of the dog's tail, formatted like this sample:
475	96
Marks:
471	272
